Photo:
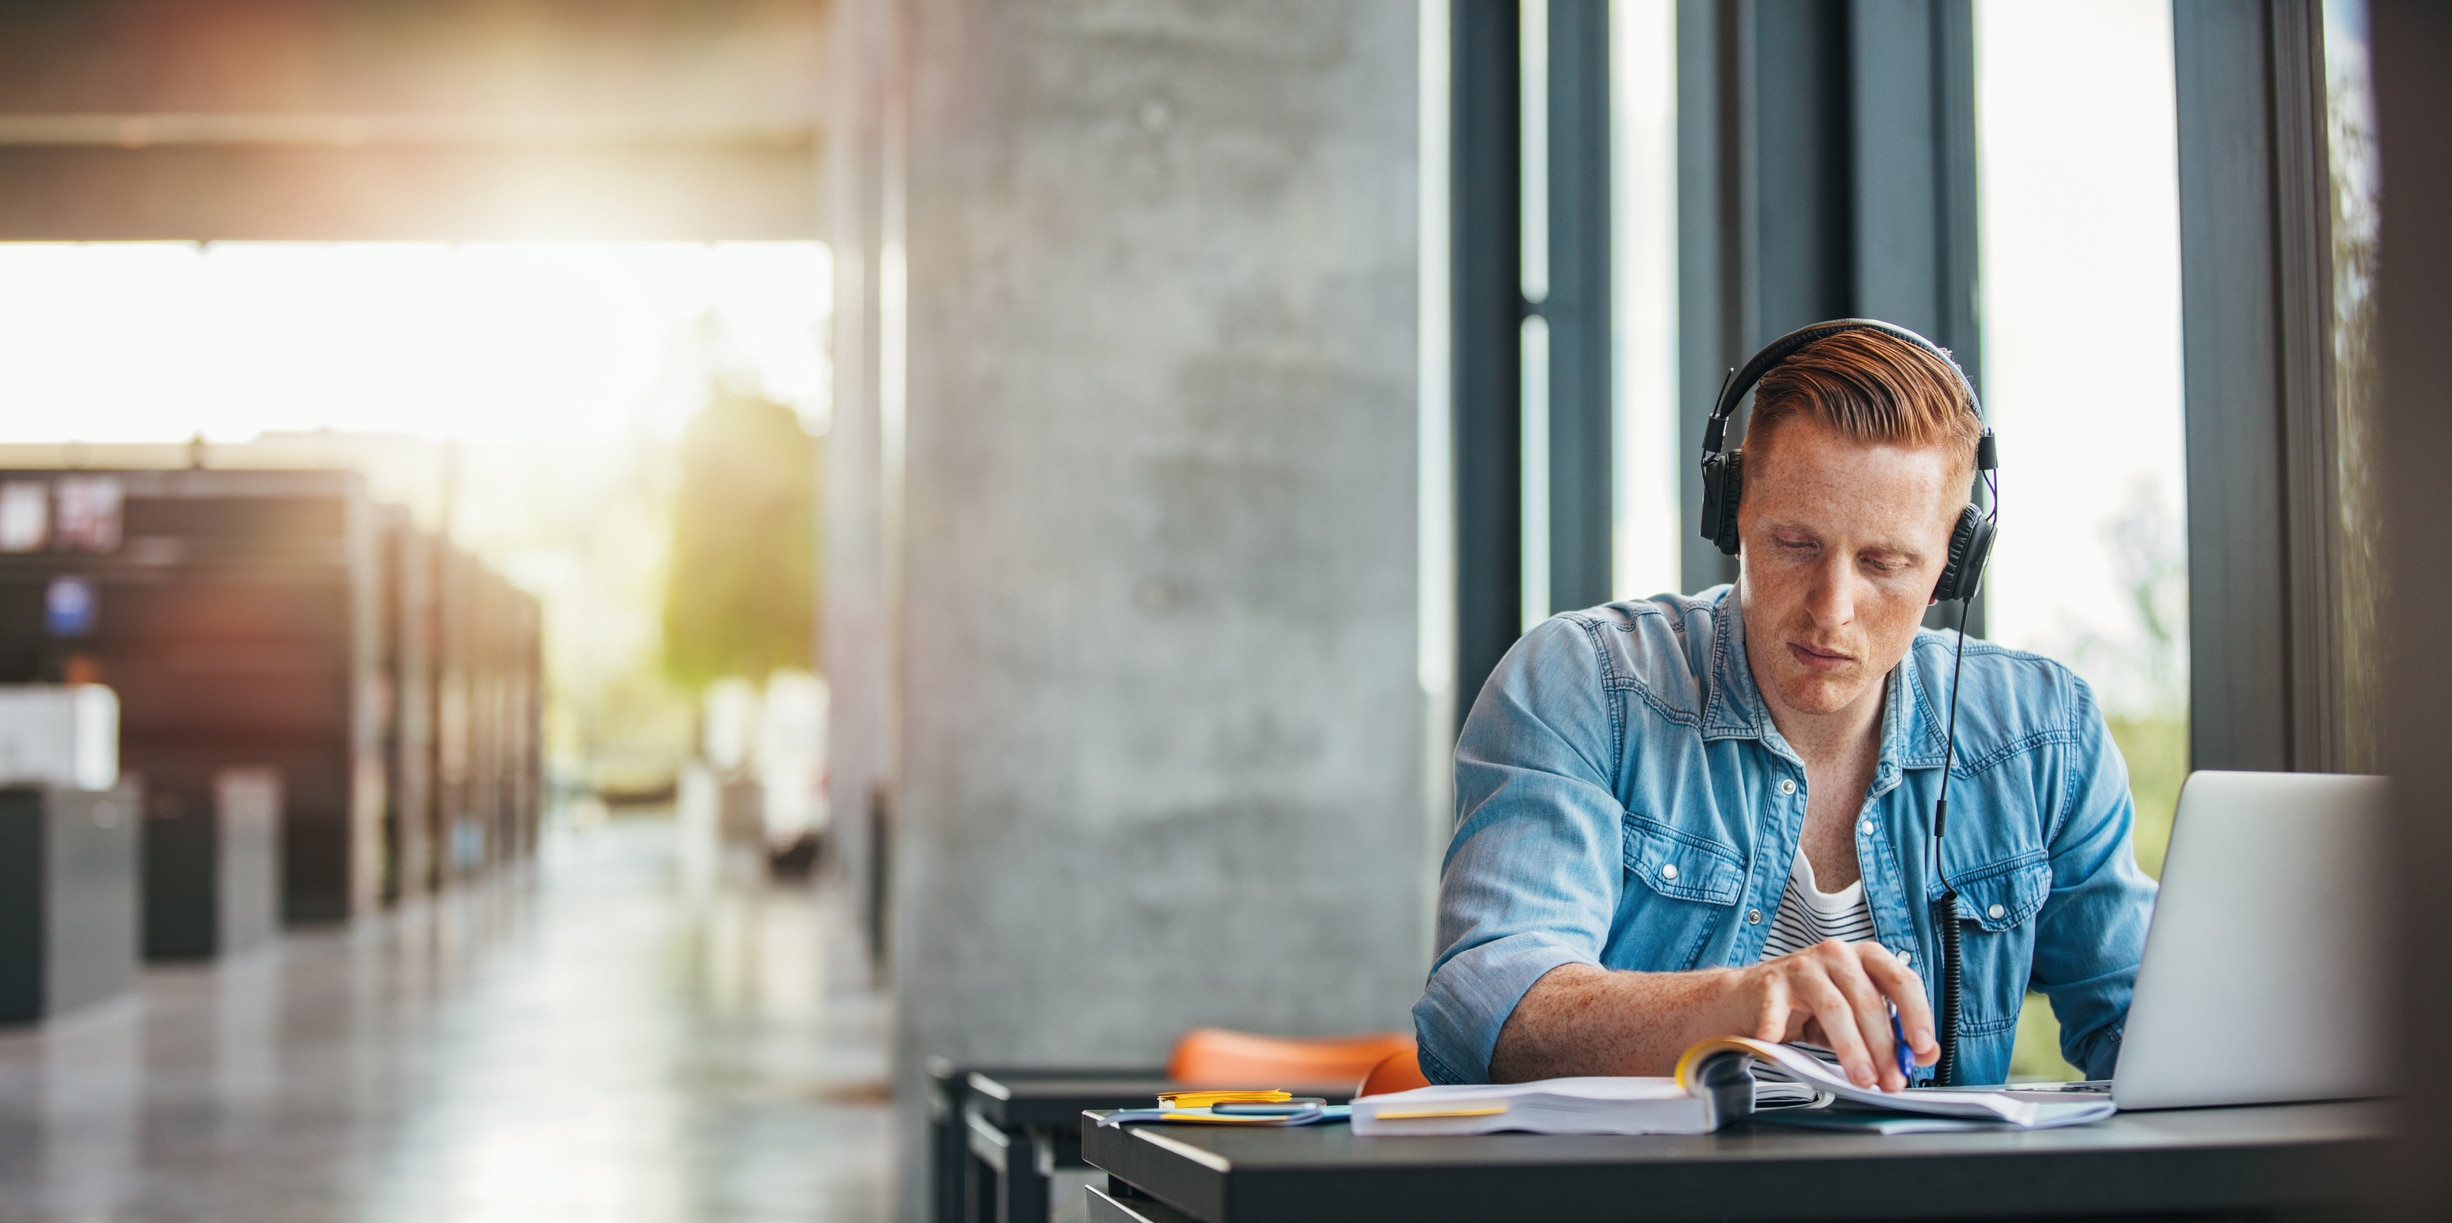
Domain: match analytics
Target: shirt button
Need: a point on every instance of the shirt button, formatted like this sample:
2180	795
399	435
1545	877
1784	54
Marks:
1753	917
1787	785
1866	828
1906	954
1995	912
1668	870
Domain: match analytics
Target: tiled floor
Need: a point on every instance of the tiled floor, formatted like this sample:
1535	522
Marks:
628	1033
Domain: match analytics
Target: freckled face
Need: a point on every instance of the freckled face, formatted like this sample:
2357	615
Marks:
1842	542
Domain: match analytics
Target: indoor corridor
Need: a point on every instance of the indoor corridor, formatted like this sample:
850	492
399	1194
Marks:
629	1031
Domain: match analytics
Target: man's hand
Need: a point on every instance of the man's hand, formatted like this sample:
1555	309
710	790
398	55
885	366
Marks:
1583	1019
1838	995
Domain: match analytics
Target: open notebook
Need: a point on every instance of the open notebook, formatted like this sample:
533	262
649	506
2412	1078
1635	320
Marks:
1714	1085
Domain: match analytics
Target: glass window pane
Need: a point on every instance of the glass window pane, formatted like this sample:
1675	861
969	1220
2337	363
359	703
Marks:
2350	143
2077	145
1643	126
2082	363
1533	264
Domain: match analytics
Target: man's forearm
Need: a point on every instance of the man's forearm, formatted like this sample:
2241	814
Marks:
1579	1019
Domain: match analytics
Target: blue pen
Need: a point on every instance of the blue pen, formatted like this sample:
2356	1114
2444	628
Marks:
1898	1046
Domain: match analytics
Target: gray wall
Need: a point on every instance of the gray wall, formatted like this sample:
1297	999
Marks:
1161	735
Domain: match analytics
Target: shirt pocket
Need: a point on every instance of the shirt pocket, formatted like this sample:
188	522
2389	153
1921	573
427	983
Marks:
1680	864
1689	890
2002	896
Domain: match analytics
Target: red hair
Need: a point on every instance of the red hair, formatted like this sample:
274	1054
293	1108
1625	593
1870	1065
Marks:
1871	387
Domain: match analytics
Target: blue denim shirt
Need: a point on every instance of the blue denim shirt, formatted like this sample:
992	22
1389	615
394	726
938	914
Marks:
1624	800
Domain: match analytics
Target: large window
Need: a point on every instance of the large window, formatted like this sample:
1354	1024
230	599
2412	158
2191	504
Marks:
1765	174
2077	141
2080	228
2081	360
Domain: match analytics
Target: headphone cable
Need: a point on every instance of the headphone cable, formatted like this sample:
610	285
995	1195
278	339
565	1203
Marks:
1945	1070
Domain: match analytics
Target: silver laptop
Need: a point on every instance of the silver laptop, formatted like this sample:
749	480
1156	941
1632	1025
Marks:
2264	971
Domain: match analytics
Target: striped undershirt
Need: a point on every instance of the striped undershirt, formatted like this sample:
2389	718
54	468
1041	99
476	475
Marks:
1809	915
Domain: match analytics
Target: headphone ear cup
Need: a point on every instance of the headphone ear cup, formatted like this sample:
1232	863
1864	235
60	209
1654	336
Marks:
1723	481
1732	490
1970	546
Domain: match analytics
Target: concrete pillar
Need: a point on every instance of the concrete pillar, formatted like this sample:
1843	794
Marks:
1161	740
857	648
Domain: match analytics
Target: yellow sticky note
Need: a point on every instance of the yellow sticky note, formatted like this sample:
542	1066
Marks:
1203	1099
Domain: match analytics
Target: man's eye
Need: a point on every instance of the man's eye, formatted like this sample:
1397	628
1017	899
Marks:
1878	565
1796	545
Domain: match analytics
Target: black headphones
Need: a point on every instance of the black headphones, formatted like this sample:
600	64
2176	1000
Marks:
1724	472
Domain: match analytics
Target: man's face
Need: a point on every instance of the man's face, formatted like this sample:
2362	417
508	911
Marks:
1843	541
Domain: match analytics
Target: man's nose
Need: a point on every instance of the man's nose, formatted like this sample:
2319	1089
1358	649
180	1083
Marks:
1832	599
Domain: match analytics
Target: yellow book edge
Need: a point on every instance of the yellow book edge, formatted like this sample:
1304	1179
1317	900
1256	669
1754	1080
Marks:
1692	1060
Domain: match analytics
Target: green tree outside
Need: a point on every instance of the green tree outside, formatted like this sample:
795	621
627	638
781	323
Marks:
741	594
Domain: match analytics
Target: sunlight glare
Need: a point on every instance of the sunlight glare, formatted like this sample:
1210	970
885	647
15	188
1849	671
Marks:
479	342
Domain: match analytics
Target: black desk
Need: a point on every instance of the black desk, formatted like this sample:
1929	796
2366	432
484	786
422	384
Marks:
2198	1162
1022	1127
964	1191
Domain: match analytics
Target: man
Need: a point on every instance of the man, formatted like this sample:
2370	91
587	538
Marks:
1691	817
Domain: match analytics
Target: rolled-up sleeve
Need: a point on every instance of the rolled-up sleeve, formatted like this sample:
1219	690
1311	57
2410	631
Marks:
1532	878
2093	927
